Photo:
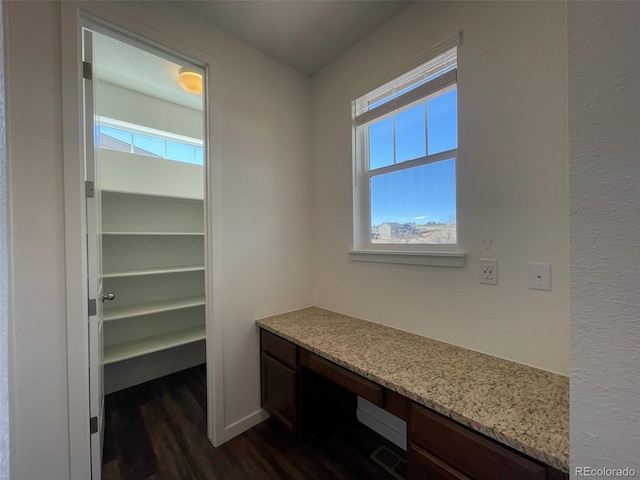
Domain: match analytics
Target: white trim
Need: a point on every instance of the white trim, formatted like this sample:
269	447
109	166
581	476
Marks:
75	265
423	92
433	259
76	298
454	40
245	424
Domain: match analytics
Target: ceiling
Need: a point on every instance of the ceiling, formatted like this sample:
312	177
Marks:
136	69
304	34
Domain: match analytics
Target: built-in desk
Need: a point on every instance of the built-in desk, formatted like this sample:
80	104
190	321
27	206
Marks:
469	415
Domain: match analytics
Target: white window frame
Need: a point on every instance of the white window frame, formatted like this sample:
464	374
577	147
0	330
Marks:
133	129
442	60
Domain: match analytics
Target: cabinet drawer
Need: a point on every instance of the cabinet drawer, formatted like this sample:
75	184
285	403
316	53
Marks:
396	404
468	452
351	381
421	465
279	348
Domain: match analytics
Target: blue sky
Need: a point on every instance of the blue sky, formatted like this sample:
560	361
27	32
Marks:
421	194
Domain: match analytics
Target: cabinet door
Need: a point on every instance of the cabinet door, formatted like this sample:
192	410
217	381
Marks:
279	391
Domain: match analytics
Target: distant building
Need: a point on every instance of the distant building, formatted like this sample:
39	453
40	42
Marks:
394	229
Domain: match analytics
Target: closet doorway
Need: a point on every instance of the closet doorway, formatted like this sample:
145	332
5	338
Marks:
146	211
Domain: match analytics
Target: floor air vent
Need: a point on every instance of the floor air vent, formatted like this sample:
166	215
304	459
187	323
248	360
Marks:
390	461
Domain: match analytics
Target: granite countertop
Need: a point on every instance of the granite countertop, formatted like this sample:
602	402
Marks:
520	406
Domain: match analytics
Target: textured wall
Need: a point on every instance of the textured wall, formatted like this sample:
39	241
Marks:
604	179
4	272
512	181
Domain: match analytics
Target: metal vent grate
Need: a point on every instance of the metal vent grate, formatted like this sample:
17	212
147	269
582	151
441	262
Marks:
390	461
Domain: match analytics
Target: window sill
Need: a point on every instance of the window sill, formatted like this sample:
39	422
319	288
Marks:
433	259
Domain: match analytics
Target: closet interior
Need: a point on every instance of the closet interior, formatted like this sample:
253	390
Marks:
151	183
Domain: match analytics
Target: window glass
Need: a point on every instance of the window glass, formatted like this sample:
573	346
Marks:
381	143
158	145
199	156
411	136
416	205
148	145
116	134
180	152
405	159
442	122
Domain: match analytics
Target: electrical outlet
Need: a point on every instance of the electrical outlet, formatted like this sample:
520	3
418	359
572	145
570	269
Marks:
488	271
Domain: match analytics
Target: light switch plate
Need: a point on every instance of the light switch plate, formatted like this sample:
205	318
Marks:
539	276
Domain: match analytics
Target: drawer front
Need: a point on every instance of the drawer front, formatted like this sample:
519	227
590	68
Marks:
397	404
279	348
351	381
468	452
423	466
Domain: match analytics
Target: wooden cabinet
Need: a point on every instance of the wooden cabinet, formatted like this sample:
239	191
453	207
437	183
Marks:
438	447
346	379
421	465
444	449
279	370
153	260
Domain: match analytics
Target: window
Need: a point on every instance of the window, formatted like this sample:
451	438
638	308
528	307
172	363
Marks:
125	137
406	148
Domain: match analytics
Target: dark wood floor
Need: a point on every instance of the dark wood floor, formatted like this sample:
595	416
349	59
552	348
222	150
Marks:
157	430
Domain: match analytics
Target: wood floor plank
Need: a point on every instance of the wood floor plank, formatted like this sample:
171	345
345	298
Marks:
172	462
111	470
136	458
158	431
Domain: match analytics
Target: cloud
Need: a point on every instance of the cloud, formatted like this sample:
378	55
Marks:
421	217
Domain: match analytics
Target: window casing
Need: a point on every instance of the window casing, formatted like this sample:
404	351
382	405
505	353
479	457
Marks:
405	156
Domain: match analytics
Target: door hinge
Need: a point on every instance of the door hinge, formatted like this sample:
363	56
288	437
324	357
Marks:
93	425
90	188
93	308
87	71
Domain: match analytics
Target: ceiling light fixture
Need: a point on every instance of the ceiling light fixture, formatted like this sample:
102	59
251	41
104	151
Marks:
190	81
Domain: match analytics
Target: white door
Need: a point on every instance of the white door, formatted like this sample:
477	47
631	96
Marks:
94	260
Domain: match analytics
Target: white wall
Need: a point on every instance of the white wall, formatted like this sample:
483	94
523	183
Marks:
37	317
512	181
134	107
604	181
262	111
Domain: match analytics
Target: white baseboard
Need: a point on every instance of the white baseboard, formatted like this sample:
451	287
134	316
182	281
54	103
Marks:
382	422
244	424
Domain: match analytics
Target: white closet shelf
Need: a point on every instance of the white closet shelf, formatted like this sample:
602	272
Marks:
155	233
156	343
138	310
153	271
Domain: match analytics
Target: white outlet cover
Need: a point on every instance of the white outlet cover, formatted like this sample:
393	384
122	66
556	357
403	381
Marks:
488	271
540	276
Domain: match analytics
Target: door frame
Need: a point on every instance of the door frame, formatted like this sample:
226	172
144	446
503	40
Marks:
75	15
